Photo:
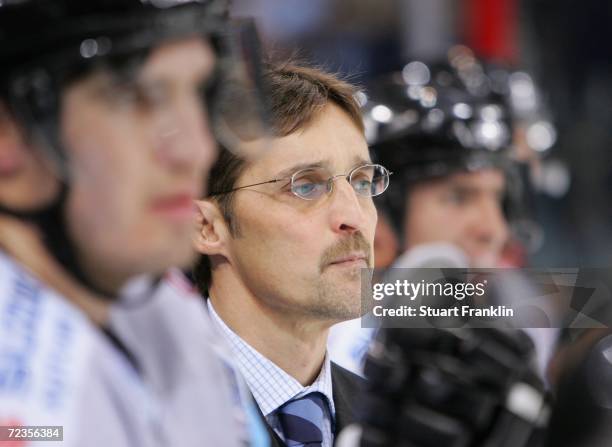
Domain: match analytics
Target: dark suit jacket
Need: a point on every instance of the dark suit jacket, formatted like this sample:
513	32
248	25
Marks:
346	390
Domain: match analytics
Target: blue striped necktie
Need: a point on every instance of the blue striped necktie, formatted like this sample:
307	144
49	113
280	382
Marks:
302	419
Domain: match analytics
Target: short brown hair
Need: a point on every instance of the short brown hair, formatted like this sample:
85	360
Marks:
296	95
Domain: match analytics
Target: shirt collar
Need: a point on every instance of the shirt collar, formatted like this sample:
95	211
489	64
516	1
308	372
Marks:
270	385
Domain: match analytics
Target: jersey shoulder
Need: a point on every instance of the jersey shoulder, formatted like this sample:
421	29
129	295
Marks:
44	346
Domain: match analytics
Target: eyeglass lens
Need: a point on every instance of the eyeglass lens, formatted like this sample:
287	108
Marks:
367	180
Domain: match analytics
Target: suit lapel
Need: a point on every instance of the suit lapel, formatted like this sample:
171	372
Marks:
342	402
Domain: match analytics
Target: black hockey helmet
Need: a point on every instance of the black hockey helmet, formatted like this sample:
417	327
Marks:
423	122
430	120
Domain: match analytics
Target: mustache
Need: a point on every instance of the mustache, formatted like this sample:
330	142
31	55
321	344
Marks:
346	246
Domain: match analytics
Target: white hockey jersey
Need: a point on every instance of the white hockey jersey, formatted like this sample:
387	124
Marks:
58	369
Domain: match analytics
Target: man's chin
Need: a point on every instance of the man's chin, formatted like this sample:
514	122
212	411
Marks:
342	305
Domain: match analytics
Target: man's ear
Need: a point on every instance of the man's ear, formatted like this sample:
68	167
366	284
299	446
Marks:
212	232
27	180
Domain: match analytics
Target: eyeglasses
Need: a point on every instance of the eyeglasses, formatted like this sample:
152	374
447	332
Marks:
367	180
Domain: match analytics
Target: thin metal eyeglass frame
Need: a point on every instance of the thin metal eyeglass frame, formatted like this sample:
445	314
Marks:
330	182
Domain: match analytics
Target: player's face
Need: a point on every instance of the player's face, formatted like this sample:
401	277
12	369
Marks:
464	209
139	153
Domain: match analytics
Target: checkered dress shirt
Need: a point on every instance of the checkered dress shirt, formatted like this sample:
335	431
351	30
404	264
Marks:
271	386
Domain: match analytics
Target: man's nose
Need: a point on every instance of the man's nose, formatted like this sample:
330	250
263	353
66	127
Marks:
185	139
347	213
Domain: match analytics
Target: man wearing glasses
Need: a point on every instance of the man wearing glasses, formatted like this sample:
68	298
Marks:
285	238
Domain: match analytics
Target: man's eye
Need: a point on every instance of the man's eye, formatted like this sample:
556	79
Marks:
304	188
457	197
136	96
362	185
210	89
151	97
